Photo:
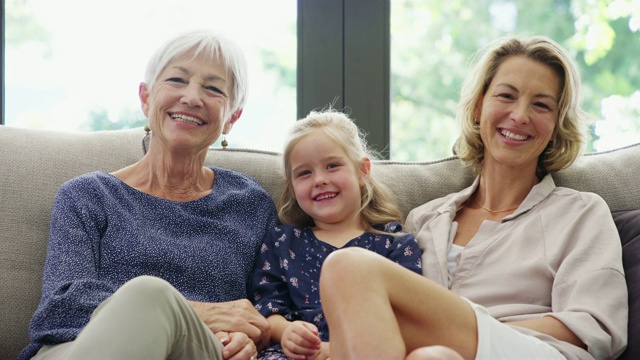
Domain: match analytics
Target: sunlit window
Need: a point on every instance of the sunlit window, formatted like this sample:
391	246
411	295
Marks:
76	64
431	42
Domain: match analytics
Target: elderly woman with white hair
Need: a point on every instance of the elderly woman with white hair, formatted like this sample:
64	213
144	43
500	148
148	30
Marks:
153	261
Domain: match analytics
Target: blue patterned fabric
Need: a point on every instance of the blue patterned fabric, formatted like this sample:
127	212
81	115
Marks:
104	233
287	272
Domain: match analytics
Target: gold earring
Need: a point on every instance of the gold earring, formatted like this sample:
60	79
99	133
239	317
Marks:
146	139
224	141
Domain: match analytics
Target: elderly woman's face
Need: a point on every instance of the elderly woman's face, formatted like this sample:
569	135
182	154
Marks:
189	105
518	113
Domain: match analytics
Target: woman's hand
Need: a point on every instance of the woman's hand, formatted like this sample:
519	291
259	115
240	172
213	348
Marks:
235	316
300	340
553	327
237	346
323	353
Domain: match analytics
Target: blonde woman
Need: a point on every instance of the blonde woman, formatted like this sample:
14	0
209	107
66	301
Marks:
514	267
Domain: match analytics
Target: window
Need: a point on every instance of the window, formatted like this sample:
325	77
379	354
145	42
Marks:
76	64
396	65
431	42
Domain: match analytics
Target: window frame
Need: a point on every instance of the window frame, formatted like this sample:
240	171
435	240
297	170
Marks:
2	77
337	63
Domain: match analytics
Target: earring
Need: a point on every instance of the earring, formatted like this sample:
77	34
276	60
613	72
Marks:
224	141
146	139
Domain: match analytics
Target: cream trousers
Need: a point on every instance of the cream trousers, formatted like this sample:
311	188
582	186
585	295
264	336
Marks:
146	318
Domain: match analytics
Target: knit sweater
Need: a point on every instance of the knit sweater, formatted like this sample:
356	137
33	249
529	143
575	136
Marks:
104	233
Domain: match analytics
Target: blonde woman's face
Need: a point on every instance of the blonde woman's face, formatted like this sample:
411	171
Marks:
518	113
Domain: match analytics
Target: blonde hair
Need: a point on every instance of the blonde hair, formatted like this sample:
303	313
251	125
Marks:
571	132
377	205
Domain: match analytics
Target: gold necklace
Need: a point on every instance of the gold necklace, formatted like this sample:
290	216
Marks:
494	211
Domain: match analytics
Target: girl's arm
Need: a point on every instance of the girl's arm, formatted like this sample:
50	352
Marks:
298	339
406	252
269	291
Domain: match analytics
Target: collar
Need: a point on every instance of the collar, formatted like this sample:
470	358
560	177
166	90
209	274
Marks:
538	193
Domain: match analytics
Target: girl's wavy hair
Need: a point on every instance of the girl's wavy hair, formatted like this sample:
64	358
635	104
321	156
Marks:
212	46
377	206
570	132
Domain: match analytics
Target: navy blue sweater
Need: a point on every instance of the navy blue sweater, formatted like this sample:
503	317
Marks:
104	233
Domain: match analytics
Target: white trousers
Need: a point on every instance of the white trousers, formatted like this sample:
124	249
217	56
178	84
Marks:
498	341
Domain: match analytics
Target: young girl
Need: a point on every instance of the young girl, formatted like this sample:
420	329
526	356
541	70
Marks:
331	201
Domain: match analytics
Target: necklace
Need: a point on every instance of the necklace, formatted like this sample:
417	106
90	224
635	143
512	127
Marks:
494	211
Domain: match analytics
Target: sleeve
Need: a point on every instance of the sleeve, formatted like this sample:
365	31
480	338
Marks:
270	292
269	214
71	287
589	293
405	250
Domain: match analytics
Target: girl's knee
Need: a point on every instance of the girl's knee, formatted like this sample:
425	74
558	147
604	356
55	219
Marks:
435	352
344	261
347	266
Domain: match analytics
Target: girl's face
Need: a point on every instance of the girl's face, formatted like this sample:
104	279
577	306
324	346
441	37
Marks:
188	107
325	182
518	113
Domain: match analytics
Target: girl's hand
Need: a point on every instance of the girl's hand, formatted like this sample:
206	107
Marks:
300	340
237	346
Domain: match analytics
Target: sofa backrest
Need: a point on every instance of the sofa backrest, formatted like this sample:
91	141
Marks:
34	163
614	175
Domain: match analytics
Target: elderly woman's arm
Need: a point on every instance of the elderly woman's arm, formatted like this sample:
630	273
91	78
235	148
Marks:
71	285
235	316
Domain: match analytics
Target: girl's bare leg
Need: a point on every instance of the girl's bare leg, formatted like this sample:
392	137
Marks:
377	309
435	352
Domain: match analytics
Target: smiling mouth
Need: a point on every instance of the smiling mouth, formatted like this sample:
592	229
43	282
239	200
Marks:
187	119
511	136
324	197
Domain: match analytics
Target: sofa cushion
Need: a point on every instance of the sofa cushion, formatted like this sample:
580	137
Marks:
628	223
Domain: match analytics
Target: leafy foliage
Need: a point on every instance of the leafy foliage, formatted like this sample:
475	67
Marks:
24	26
433	40
100	120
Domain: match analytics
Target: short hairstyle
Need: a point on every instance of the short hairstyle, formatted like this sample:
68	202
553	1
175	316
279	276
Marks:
377	206
570	131
211	45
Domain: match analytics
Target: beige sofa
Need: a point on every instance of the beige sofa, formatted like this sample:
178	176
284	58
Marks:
34	163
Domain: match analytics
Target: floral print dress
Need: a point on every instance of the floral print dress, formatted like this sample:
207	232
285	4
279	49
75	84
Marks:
287	271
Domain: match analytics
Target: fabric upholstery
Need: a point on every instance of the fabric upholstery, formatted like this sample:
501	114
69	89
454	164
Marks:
628	223
34	163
